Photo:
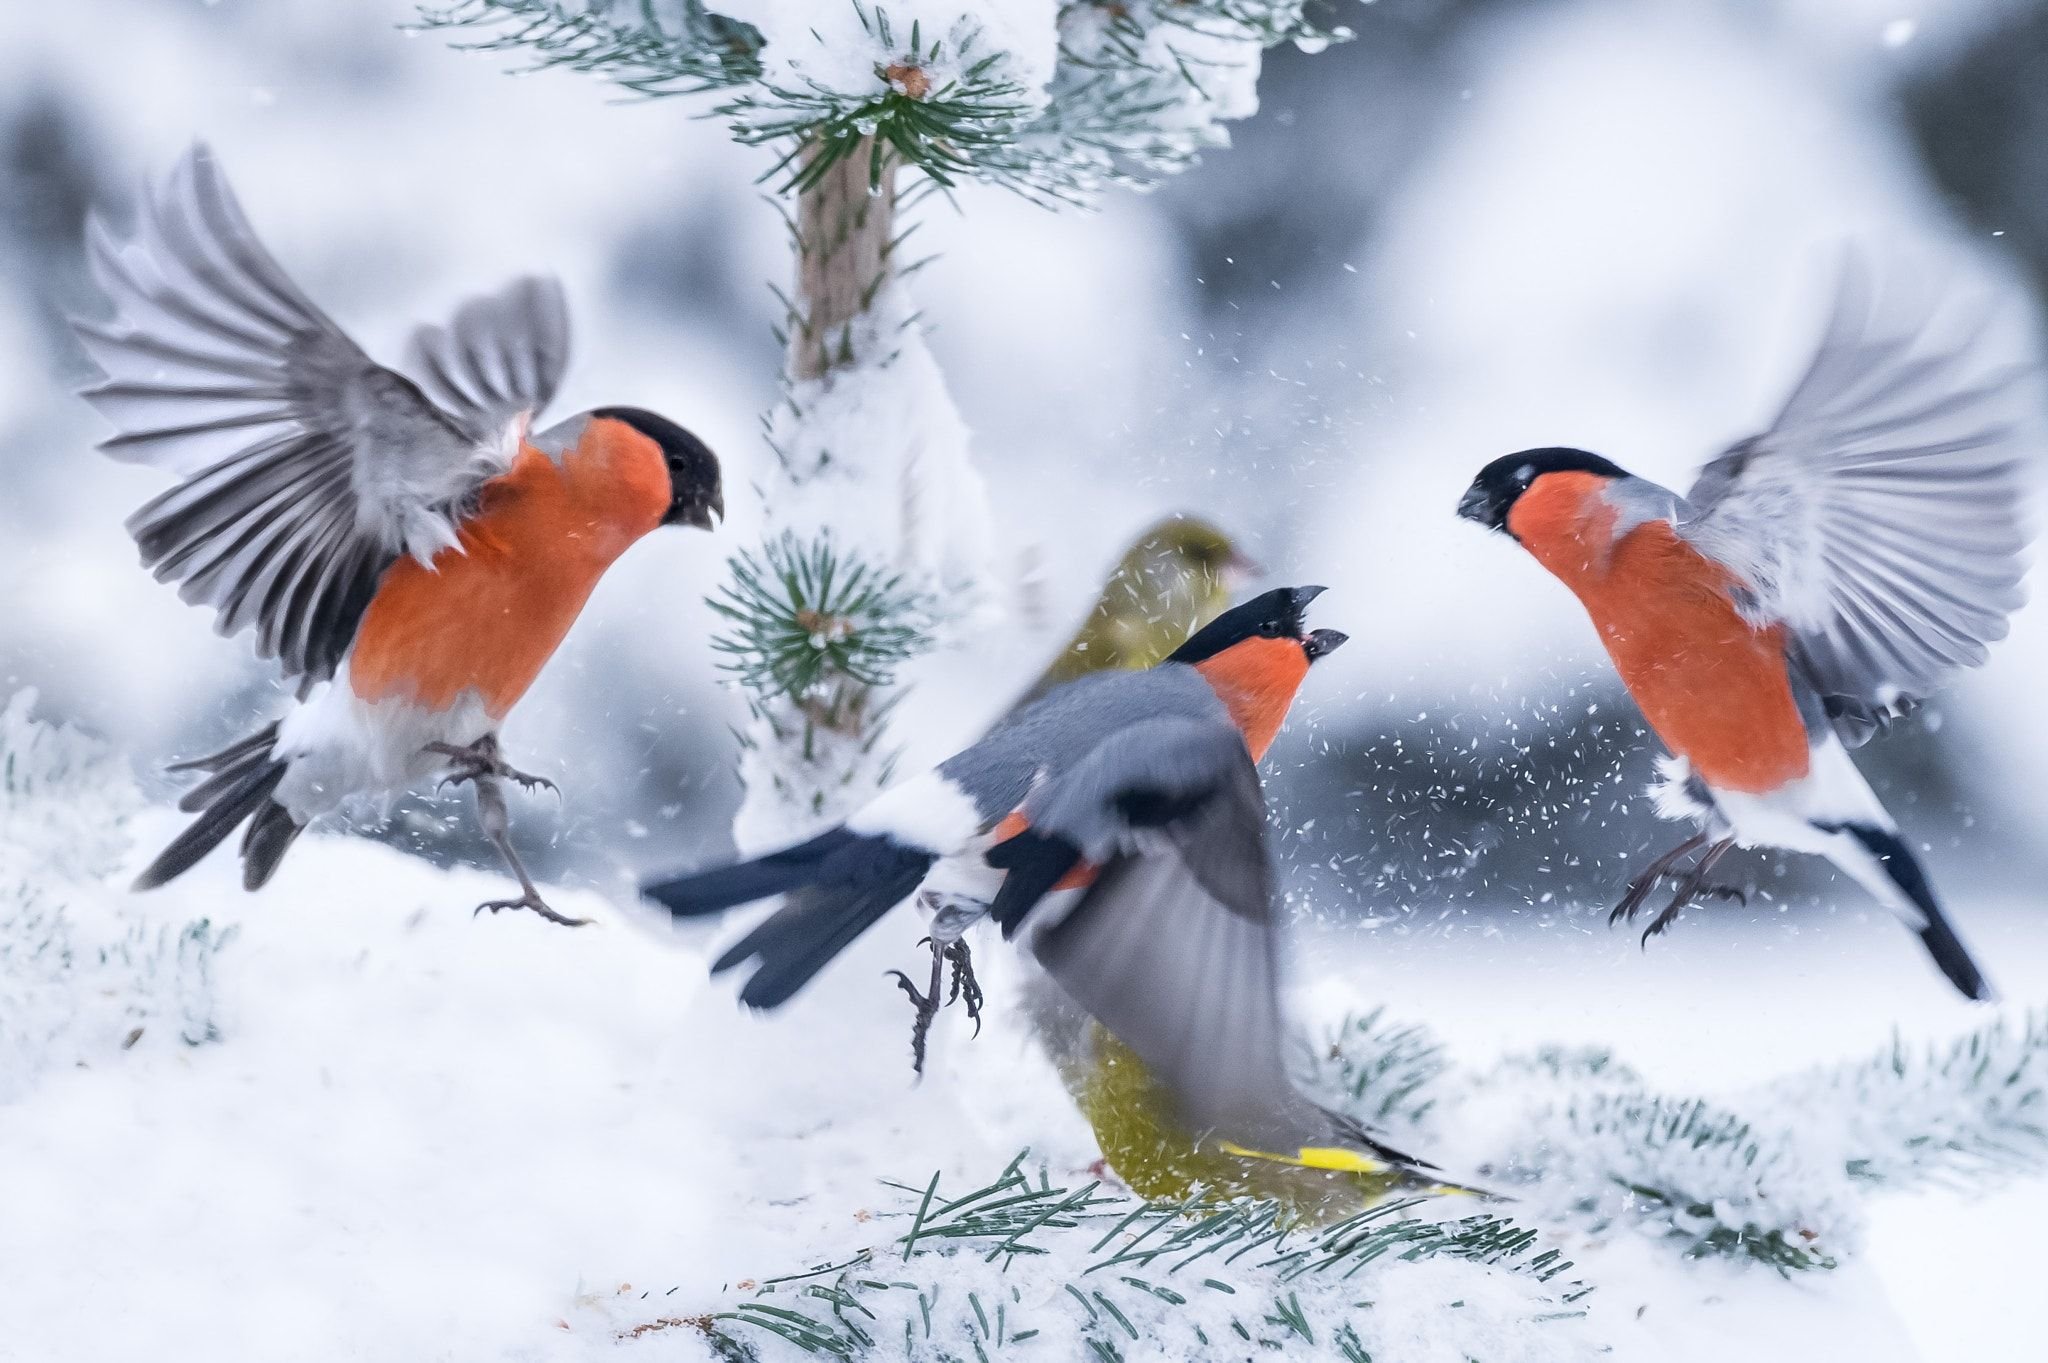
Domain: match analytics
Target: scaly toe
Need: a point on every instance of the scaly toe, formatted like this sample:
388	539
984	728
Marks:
537	905
917	998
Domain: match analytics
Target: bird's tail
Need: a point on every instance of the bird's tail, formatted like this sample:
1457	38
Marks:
838	884
1879	859
239	784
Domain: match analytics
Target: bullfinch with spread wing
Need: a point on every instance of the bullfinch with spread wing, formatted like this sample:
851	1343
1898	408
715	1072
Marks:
403	544
1139	790
1815	581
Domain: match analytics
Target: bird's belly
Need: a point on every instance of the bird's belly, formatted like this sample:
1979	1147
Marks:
1716	690
481	622
339	746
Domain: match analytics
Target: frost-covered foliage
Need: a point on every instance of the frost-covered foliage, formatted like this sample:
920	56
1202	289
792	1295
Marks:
80	976
1618	1158
1382	1073
1054	99
875	481
1964	1113
1026	1269
1776	1174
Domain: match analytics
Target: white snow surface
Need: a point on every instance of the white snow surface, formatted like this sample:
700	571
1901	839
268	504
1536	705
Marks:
420	1134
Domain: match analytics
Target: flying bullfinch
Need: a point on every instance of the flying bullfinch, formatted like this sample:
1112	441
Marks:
402	544
1138	789
1815	581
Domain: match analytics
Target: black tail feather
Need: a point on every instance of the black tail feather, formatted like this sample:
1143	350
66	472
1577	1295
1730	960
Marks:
255	779
269	836
725	887
838	884
234	754
1904	870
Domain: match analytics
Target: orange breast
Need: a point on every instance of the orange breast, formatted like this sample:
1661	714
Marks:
1257	678
487	616
1715	688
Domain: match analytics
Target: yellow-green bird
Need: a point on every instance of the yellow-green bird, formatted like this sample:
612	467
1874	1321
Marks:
1176	577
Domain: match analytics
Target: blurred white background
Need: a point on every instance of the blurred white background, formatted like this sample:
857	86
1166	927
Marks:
1479	227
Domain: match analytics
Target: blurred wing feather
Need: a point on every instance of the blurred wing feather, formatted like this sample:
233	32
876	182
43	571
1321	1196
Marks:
1173	948
1881	516
499	360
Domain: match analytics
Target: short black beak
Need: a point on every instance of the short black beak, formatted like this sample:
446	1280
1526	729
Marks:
1476	506
702	514
1301	596
1322	642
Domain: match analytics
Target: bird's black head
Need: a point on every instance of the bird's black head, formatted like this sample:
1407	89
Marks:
1278	614
696	493
1501	484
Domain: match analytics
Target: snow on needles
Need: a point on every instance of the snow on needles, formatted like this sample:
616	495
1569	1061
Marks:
81	980
843	49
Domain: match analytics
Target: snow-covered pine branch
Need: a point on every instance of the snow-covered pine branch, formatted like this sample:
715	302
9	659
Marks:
1967	1113
1057	99
81	978
1776	1174
1023	1268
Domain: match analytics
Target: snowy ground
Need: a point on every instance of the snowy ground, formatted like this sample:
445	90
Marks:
424	1136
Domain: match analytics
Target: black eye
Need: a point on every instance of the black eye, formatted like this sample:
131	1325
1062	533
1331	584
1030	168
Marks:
1270	629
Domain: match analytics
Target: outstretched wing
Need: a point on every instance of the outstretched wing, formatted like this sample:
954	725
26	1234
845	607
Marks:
1881	516
498	360
1173	948
305	467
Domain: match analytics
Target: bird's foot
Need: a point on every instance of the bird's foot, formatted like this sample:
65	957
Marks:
1634	897
958	987
925	1001
481	760
963	987
531	899
1681	900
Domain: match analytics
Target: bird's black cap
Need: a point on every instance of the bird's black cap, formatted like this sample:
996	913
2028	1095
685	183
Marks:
693	474
1501	484
1278	614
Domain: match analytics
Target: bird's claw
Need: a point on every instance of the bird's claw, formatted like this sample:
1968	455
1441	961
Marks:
963	986
927	1006
959	987
533	901
481	760
1632	900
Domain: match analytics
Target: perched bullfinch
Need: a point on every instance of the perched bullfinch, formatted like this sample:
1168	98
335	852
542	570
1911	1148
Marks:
1814	581
1176	577
1139	790
402	544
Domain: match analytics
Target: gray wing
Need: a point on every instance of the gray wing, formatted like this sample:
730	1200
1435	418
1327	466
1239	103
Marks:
305	467
1174	948
1881	516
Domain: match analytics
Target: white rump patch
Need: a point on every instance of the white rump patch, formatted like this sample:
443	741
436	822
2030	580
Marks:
930	812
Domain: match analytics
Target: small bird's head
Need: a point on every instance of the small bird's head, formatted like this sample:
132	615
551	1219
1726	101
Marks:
1278	616
1502	483
695	493
1186	556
